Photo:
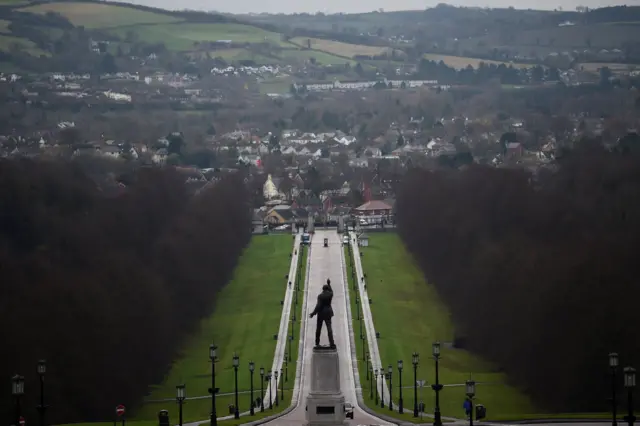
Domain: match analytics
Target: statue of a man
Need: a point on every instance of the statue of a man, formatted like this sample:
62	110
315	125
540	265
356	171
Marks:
325	312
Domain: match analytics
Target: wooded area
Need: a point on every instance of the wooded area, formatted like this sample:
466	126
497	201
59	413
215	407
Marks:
539	272
106	288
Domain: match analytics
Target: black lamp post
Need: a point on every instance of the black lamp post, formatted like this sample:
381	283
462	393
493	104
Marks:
358	308
181	395
212	357
630	383
375	377
17	390
613	365
275	378
293	322
381	387
281	387
371	379
415	360
286	369
389	373
437	387
262	389
42	369
471	392
368	363
270	390
400	407
236	364
364	341
252	367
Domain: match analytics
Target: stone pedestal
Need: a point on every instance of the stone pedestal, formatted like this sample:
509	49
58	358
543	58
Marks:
325	403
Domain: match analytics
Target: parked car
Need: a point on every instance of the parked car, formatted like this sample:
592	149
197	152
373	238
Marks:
345	240
348	409
326	242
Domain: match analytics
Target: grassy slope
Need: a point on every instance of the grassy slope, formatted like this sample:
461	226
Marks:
178	35
409	316
246	317
339	48
94	15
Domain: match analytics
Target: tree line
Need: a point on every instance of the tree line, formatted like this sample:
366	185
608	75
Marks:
538	269
106	285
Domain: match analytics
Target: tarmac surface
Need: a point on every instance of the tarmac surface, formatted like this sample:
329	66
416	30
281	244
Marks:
326	262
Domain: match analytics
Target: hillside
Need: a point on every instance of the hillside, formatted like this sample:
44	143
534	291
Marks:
39	28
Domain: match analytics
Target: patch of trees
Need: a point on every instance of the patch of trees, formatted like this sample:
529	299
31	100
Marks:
539	272
105	285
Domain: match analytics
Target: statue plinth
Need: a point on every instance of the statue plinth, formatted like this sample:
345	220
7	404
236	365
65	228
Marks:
325	403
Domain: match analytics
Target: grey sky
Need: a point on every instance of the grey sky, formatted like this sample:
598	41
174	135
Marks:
335	6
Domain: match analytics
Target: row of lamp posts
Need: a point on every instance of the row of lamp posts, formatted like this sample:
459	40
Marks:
629	384
17	390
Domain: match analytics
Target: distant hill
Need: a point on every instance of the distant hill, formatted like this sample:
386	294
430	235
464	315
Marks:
35	27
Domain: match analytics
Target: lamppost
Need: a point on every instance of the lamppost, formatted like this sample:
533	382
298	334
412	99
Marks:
381	387
270	390
262	389
360	321
375	377
293	322
236	364
389	373
212	357
437	387
368	363
415	360
42	369
372	378
358	308
17	390
252	367
281	387
286	369
630	383
471	392
180	397
613	365
400	407
275	378
364	341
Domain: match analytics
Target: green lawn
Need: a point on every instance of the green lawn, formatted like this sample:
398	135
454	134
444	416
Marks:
322	58
4	26
409	316
184	36
245	319
96	15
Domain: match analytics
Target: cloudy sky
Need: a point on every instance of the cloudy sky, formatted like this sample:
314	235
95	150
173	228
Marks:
352	6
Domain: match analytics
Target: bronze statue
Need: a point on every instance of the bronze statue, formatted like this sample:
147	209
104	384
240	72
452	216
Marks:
325	312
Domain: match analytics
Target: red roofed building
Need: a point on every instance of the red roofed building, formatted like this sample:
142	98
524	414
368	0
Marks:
373	208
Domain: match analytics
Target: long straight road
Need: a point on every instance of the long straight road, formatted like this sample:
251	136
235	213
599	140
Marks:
327	262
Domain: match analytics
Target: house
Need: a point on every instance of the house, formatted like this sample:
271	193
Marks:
160	157
373	208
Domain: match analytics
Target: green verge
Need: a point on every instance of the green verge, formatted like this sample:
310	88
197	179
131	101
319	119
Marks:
243	304
366	382
246	316
409	316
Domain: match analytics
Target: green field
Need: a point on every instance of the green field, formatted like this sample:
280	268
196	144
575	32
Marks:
96	15
409	316
185	36
246	316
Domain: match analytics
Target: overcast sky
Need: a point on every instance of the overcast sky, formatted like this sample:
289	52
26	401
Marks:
351	6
